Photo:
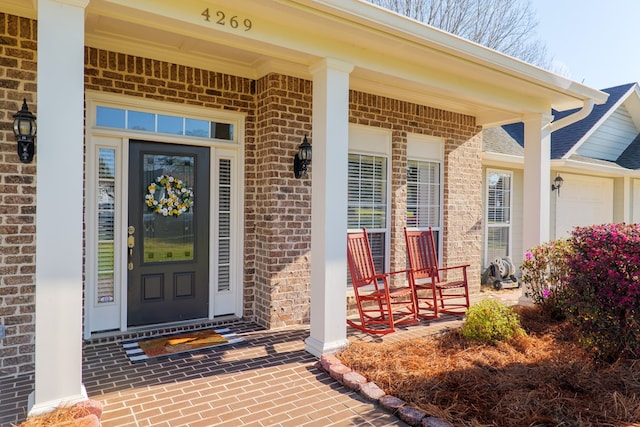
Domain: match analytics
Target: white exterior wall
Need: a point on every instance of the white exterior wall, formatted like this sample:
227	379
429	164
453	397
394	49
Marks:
583	200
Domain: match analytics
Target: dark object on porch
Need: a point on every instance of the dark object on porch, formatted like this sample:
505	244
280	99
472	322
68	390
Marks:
436	294
302	159
24	128
380	306
501	274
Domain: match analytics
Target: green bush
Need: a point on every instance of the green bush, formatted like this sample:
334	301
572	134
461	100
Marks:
604	289
545	274
490	322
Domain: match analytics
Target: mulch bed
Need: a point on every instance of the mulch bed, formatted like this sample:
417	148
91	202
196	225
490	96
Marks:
543	379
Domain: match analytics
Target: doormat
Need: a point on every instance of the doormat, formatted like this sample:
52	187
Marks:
151	348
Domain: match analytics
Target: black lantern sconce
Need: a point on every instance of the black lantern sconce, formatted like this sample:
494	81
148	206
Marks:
302	159
24	127
557	183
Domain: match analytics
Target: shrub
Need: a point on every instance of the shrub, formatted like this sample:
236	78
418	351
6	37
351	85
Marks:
490	322
545	273
604	289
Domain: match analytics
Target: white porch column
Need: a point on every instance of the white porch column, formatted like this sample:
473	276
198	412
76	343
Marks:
59	147
329	207
537	182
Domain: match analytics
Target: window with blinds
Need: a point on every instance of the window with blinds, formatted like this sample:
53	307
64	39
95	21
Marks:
106	225
423	194
498	214
367	201
224	227
424	206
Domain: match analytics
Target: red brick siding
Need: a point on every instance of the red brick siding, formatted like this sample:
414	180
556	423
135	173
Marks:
277	217
128	75
462	202
282	202
18	52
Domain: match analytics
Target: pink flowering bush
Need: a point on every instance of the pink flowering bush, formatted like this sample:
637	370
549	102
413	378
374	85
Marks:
545	274
604	289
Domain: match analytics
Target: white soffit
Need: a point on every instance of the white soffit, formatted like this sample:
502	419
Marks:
392	55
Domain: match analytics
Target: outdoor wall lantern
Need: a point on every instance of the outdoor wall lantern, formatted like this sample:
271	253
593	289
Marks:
557	183
24	127
302	159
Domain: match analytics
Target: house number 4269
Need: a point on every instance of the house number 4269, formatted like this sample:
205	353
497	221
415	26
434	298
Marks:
222	19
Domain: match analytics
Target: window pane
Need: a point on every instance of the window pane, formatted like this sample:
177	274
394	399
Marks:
170	124
199	128
367	202
423	194
497	242
367	191
168	238
110	117
139	120
498	215
224	232
162	123
106	225
376	240
499	198
222	131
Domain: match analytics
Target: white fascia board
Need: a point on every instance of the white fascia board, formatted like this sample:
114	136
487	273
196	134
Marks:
595	127
367	25
502	160
23	8
465	49
585	168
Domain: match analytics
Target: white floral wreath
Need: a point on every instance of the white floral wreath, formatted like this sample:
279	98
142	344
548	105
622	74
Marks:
175	199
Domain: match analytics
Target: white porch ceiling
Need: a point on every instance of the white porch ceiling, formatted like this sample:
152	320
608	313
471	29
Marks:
392	55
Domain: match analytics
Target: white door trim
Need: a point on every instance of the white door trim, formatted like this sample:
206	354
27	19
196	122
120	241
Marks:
118	139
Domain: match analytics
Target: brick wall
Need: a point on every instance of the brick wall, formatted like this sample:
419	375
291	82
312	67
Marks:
462	204
277	206
17	199
128	75
283	203
277	215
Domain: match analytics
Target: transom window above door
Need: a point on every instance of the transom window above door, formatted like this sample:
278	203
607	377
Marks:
120	118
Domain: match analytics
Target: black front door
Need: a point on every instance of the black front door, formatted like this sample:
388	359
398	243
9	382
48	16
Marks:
168	233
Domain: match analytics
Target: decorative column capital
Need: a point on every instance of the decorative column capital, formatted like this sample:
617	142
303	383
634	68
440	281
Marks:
77	3
544	119
331	64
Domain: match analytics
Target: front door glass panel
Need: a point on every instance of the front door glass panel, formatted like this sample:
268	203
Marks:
168	231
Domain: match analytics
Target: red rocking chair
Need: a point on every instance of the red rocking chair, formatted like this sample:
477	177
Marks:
432	294
380	306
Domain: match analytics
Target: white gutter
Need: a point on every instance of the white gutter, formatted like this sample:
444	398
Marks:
586	109
577	166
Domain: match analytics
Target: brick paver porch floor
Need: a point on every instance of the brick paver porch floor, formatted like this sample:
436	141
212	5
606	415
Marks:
268	380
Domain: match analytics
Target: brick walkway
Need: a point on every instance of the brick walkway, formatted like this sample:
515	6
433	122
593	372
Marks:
268	380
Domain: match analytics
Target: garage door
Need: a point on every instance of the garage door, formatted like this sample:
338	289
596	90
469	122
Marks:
583	200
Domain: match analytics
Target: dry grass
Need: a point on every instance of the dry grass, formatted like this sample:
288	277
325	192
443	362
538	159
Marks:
60	417
544	379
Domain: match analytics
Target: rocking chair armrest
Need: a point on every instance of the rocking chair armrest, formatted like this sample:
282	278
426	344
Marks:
391	273
428	270
453	267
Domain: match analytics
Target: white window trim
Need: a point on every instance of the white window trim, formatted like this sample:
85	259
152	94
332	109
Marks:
367	140
486	214
120	140
426	148
91	223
